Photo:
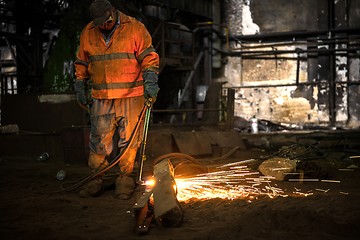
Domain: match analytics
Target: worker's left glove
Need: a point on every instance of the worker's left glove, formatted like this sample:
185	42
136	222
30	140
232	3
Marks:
80	92
151	87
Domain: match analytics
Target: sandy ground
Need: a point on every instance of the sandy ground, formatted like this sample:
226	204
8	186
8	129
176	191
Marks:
27	214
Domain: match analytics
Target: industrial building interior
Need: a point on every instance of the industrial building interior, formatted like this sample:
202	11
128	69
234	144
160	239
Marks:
242	82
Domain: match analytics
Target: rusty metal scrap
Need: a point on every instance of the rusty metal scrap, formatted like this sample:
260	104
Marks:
299	152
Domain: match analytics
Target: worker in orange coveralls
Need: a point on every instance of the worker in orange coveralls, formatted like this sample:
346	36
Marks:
116	55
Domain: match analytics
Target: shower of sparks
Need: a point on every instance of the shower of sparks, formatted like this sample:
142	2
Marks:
230	181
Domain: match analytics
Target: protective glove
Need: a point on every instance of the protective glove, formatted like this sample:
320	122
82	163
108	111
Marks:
151	87
80	92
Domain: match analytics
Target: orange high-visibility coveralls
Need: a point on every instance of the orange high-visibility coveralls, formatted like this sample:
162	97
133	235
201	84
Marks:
114	66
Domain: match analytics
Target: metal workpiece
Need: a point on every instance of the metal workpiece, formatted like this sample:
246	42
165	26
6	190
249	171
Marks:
159	202
166	205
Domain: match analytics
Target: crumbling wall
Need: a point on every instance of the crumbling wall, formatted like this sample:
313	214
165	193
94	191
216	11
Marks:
277	104
275	87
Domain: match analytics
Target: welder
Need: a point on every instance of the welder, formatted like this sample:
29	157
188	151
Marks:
117	60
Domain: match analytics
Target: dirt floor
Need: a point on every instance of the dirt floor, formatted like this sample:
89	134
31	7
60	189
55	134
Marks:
330	211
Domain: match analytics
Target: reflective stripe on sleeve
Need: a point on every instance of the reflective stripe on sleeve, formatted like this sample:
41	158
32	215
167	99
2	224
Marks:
145	52
78	61
152	69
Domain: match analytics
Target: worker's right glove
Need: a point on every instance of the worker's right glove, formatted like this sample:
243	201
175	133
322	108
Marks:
80	92
151	87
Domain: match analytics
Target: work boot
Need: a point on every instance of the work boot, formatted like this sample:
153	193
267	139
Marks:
124	187
92	189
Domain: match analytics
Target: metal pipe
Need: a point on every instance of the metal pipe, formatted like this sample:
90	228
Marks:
278	52
297	69
190	77
332	63
262	57
292	43
187	110
292	84
291	35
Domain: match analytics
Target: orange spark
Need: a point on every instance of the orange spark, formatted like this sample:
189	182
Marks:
230	181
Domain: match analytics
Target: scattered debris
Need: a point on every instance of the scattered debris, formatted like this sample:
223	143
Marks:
277	167
299	152
346	169
61	175
10	128
243	125
317	168
43	157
